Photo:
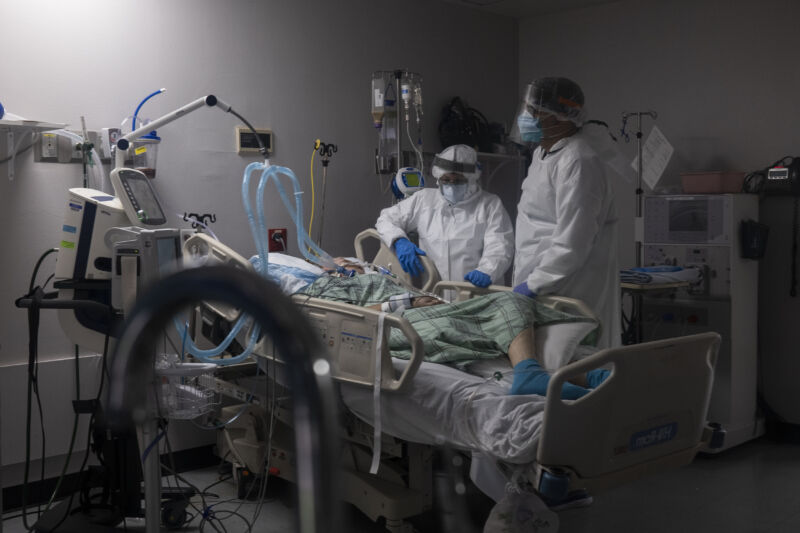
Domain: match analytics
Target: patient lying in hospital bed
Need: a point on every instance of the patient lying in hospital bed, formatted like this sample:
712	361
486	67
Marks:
486	327
465	404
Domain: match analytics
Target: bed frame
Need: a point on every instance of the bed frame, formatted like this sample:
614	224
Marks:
648	416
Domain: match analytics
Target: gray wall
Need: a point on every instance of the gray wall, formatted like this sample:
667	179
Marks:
301	69
720	74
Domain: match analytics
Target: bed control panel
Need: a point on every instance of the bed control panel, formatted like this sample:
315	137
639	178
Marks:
351	336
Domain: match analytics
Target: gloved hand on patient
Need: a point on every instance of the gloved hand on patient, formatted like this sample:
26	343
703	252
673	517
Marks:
523	289
478	278
408	254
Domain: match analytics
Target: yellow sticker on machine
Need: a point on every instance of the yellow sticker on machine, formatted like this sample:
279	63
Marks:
140	150
67	244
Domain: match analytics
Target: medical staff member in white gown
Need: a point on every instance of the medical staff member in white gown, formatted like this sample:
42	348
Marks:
465	230
566	232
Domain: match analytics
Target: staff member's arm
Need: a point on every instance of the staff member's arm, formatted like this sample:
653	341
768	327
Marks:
392	225
498	243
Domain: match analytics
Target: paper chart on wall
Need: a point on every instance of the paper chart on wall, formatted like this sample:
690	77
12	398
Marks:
656	153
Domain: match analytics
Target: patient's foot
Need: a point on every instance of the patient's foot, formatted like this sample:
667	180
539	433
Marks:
531	378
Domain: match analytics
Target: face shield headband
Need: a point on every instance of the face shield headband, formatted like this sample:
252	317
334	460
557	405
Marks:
448	166
560	97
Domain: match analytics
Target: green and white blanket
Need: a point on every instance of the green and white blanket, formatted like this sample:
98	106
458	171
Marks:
480	328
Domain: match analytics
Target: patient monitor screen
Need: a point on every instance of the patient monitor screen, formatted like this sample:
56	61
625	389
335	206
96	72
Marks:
688	215
412	179
142	197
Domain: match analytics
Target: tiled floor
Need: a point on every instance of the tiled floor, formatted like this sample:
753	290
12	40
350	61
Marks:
754	488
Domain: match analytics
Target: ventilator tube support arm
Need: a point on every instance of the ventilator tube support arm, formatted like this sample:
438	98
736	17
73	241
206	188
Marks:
124	143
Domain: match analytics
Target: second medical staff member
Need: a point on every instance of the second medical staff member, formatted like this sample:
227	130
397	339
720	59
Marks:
566	232
465	230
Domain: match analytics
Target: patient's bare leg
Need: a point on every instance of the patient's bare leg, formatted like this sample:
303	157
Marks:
522	347
529	375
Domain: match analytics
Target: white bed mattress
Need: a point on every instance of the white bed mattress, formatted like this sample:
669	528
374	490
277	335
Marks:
470	411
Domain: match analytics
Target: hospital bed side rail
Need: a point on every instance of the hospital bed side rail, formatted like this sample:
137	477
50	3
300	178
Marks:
350	334
648	416
466	290
386	257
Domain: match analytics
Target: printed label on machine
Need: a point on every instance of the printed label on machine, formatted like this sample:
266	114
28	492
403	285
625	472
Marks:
75	207
354	351
651	437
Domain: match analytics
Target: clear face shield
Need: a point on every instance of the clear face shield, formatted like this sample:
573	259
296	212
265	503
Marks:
457	172
547	104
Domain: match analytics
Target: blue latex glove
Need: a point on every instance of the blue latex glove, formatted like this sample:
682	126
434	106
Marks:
407	254
478	278
523	289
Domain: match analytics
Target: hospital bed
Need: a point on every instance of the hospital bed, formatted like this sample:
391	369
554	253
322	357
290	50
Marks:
648	416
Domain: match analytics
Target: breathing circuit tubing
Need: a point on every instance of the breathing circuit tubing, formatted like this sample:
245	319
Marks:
304	242
260	235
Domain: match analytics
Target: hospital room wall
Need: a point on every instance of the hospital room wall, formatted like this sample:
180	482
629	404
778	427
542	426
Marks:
720	74
301	69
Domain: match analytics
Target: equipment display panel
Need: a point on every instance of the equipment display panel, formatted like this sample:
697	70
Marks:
138	197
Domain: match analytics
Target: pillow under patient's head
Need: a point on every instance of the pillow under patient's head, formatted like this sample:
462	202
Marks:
291	273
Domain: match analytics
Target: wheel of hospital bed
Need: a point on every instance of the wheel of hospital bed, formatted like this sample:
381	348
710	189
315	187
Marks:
386	258
315	419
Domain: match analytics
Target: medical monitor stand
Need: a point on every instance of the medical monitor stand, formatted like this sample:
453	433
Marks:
121	475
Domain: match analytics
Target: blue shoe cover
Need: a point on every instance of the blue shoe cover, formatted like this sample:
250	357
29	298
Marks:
531	378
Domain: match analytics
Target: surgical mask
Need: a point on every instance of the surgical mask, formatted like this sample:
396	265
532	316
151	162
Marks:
454	193
529	129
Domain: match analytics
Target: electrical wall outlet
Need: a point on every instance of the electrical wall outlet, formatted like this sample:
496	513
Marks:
108	141
277	239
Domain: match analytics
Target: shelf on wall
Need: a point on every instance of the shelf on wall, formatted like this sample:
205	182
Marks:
16	130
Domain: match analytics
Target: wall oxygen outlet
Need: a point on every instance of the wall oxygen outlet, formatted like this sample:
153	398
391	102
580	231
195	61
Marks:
277	239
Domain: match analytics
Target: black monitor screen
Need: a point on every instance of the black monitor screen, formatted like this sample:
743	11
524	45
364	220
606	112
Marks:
688	215
142	196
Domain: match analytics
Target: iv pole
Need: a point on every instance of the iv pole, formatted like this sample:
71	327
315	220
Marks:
639	222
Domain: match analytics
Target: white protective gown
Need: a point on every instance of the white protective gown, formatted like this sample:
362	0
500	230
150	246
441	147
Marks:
475	233
566	233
